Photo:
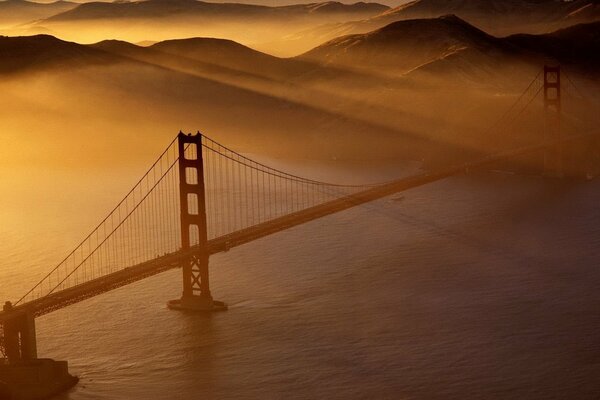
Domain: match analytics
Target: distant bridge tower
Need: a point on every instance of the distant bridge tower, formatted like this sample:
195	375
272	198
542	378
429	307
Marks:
194	237
553	157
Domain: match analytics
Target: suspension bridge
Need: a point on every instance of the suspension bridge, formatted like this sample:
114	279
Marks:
200	198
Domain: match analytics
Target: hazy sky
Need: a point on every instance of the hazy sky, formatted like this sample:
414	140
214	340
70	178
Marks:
268	2
285	2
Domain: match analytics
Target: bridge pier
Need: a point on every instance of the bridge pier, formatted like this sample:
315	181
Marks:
19	339
22	373
196	288
194	232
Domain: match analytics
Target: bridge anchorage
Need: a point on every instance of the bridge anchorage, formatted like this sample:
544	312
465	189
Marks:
201	198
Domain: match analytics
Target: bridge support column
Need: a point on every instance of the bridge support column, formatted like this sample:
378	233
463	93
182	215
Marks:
19	339
25	376
553	157
194	236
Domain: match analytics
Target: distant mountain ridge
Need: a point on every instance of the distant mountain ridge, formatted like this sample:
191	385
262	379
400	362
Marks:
137	21
579	44
206	55
404	44
444	44
20	54
449	44
195	8
498	17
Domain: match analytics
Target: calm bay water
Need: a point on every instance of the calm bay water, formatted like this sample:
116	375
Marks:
476	287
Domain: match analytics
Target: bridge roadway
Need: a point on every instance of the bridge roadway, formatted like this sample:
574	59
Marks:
166	262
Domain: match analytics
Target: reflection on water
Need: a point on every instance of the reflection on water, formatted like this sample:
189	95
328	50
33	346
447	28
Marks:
474	287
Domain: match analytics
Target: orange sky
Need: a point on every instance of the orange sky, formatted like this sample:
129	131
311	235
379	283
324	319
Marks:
271	3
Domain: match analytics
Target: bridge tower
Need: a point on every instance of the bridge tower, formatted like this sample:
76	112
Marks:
553	156
194	235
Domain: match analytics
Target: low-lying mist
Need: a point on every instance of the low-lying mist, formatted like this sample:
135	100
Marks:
127	111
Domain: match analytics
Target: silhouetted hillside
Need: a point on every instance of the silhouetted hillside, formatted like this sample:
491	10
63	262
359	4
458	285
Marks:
18	54
501	16
448	46
220	58
404	45
260	27
577	45
218	51
497	12
497	17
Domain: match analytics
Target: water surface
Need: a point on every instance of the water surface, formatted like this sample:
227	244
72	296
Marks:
476	287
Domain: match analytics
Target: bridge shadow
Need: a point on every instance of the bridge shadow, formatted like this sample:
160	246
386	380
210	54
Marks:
198	365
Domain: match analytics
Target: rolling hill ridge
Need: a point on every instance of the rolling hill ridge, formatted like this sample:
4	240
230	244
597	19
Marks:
497	17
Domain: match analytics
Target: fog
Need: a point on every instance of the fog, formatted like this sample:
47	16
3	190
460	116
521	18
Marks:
126	111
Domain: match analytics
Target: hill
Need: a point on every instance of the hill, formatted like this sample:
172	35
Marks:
495	13
404	45
497	17
27	53
448	47
221	59
222	52
199	9
260	27
578	45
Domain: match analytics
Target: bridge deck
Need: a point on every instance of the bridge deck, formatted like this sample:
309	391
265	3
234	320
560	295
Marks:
131	274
